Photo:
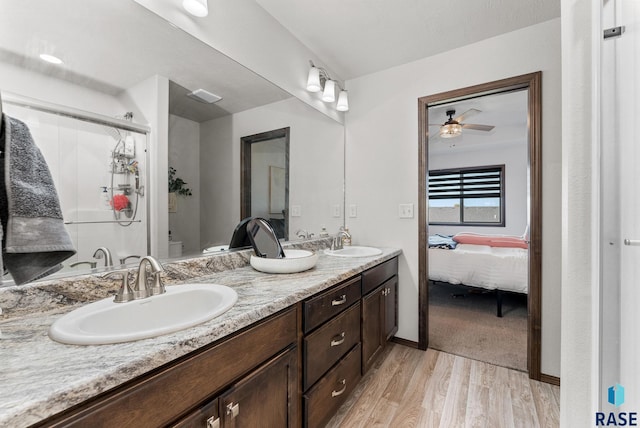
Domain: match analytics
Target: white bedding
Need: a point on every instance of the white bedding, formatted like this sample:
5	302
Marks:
481	266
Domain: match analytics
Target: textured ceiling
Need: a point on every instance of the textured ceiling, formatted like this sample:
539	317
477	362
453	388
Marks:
358	37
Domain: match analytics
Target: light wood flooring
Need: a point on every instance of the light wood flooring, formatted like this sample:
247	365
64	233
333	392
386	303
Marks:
413	388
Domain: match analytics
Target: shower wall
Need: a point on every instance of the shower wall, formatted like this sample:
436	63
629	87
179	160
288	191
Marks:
79	156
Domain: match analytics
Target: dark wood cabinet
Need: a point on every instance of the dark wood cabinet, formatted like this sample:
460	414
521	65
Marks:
183	388
379	310
298	365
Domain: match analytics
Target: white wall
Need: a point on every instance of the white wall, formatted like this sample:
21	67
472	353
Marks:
316	165
514	157
580	245
382	156
184	156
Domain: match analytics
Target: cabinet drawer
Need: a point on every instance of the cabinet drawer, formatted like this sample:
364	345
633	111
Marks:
329	343
379	274
323	307
323	400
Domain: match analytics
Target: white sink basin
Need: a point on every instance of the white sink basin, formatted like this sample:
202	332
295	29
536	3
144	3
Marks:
105	321
354	251
294	261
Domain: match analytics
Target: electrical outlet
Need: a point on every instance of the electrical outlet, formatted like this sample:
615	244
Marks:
353	211
405	210
336	211
296	211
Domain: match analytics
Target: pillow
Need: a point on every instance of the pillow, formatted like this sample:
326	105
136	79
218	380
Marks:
491	240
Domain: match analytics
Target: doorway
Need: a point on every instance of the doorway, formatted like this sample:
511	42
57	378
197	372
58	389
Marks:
532	84
264	187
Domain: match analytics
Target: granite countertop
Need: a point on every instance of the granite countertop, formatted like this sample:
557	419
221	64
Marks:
40	377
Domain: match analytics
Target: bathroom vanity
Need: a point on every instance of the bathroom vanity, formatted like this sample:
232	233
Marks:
288	353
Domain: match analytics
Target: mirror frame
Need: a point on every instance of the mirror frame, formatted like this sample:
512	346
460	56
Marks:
533	84
245	171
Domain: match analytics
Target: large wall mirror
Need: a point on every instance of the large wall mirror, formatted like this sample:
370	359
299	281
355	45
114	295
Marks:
119	57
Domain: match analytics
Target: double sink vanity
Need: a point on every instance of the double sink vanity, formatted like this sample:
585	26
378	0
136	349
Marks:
287	352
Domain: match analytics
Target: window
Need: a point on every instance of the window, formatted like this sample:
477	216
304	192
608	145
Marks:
467	196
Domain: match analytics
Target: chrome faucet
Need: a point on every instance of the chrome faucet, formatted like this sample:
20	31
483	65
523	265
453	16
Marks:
141	285
303	234
91	264
145	285
124	259
336	242
103	252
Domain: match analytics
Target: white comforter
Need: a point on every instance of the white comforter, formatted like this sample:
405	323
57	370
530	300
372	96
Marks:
481	266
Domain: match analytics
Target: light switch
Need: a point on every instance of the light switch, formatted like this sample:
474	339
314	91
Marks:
296	211
353	211
405	210
336	211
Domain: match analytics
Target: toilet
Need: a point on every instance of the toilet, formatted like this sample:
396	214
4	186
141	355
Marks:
175	249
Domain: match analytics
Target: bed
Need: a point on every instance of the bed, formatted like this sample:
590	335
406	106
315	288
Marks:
500	265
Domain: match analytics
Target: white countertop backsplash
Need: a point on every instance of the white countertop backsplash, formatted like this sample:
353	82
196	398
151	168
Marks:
40	377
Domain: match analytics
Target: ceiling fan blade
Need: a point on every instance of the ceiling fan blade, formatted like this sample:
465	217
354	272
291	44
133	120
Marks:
467	114
478	127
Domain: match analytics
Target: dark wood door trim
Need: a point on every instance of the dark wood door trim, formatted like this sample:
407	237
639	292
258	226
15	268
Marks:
533	83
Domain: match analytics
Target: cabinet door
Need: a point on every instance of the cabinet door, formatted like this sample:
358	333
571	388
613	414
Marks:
205	417
391	307
265	398
373	341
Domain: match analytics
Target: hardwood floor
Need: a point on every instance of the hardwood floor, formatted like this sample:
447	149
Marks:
412	388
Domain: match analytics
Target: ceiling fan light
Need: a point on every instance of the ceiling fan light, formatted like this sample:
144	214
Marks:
343	101
451	130
313	81
198	8
329	94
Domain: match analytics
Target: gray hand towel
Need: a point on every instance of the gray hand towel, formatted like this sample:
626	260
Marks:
36	241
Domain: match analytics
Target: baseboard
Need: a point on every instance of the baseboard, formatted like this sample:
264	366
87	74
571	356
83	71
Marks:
404	342
553	380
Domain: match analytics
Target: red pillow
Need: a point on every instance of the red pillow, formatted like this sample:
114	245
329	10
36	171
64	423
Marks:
491	240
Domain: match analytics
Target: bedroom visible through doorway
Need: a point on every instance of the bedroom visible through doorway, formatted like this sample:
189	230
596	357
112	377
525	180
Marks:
480	222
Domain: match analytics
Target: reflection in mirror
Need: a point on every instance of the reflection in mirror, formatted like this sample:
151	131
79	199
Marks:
155	67
263	239
99	171
264	190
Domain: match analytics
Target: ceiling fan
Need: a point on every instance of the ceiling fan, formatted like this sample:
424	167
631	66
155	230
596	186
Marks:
453	127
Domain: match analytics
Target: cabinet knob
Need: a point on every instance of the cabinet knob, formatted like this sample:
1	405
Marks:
335	393
341	301
213	422
338	340
233	410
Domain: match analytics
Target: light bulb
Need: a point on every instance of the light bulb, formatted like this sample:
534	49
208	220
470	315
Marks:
329	94
313	81
343	101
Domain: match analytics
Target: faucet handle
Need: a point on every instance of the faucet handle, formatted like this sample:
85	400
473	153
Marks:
125	293
157	287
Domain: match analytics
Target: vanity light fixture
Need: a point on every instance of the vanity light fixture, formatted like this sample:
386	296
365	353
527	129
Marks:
343	101
319	80
51	59
199	8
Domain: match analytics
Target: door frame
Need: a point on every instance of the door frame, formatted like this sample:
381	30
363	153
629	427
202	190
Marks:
532	82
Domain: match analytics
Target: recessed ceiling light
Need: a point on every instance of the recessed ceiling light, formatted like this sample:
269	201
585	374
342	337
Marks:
51	59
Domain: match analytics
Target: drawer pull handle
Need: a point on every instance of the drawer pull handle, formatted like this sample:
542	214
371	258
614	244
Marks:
233	410
344	387
341	301
338	340
213	422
